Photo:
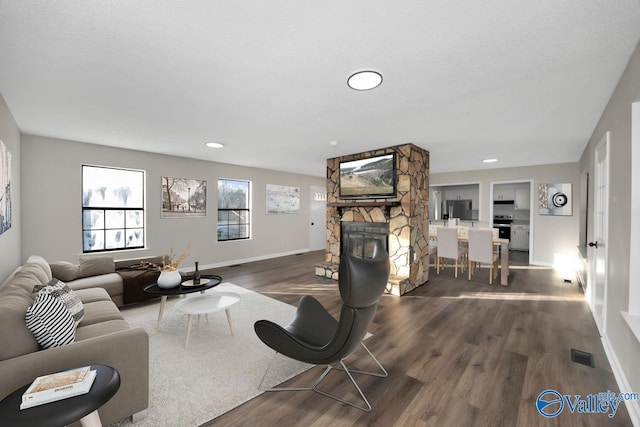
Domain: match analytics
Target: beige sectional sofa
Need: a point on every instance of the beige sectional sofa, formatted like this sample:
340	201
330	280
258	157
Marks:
97	271
102	337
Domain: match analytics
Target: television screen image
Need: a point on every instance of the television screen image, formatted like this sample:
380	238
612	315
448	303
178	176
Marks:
372	177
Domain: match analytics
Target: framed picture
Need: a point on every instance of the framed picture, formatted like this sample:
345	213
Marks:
282	199
555	199
5	188
183	197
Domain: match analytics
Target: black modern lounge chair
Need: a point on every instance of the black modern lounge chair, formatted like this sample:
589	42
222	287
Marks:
316	337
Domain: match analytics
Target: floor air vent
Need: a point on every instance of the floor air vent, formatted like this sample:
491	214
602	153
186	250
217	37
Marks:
582	357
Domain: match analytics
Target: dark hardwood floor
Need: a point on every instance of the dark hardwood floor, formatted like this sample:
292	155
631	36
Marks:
458	352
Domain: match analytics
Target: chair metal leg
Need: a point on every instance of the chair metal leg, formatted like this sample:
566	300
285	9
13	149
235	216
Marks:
344	368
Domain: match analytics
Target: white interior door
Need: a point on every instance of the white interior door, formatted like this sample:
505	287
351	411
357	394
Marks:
318	218
598	245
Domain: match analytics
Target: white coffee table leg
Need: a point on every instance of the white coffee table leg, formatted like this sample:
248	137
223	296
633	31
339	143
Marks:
186	343
91	420
228	313
163	301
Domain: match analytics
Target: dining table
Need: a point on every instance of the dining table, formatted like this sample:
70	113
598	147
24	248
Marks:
502	244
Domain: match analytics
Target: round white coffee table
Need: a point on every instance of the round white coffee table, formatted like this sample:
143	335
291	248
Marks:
205	304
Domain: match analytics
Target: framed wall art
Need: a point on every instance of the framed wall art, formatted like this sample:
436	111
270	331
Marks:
282	199
183	197
5	188
555	199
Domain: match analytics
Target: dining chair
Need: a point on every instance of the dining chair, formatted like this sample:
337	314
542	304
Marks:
481	251
433	244
449	248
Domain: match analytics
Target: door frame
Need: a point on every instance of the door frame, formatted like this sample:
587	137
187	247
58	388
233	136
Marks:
603	250
532	208
317	226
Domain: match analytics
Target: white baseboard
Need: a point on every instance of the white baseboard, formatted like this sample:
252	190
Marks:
542	263
633	406
245	260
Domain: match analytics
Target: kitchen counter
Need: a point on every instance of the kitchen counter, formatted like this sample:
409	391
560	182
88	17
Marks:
465	223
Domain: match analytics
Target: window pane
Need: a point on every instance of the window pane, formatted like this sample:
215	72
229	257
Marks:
92	240
223	232
244	217
114	219
111	187
234	217
92	219
135	237
223	217
114	239
243	232
135	219
234	232
233	194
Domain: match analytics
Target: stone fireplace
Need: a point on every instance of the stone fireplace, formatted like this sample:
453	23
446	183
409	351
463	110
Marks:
405	217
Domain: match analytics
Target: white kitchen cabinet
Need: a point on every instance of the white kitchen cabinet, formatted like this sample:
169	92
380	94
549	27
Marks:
520	237
458	193
522	200
503	192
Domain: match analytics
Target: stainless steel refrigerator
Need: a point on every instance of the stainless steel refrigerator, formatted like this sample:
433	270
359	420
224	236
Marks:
458	209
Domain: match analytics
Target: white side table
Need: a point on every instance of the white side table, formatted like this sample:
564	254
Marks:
205	304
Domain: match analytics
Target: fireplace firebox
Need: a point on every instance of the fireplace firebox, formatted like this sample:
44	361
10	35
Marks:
358	238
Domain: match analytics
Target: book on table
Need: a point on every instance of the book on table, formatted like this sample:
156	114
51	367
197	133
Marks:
58	386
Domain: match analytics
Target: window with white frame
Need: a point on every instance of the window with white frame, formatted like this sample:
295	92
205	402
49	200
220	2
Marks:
112	209
234	217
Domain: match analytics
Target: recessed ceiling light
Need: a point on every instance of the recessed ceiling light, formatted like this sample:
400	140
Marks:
364	80
489	160
214	144
333	143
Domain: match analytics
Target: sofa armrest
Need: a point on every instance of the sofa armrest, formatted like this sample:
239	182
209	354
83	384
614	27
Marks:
127	351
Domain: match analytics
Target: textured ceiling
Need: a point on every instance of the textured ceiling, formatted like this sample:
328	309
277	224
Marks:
523	81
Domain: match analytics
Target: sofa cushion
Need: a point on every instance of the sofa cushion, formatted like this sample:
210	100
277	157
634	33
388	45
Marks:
10	277
40	267
112	283
100	329
96	265
100	311
26	280
15	337
50	322
29	275
92	295
64	293
64	271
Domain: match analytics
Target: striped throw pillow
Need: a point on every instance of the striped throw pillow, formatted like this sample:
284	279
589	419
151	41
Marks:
64	293
50	322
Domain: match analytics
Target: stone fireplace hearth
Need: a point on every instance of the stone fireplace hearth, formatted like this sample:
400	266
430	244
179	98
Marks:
405	217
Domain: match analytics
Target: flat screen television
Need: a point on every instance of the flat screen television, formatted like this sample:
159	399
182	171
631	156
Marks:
373	177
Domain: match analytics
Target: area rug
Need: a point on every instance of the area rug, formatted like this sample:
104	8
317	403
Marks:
217	372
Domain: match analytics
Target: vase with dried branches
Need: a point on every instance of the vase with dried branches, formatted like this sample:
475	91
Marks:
169	275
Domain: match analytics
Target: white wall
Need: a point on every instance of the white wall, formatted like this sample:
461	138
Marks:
553	236
52	191
10	240
616	118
